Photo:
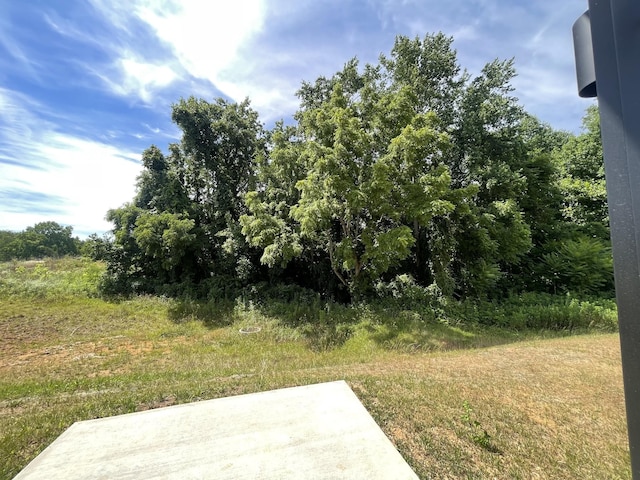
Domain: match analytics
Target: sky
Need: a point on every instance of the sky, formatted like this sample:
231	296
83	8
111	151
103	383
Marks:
87	85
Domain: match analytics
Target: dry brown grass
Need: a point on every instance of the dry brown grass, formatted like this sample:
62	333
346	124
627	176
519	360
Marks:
553	409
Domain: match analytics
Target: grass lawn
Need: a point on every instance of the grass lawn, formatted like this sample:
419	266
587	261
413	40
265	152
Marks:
457	401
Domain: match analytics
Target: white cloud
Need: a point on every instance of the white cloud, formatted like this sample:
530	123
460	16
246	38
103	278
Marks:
193	39
89	177
85	176
211	41
205	37
142	78
133	78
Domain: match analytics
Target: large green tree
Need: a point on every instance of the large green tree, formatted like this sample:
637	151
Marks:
9	245
583	183
373	172
182	226
480	245
579	258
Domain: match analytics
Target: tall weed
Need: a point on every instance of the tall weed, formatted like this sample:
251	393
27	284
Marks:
538	311
51	278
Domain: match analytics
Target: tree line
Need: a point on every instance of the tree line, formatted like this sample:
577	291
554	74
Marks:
44	239
409	170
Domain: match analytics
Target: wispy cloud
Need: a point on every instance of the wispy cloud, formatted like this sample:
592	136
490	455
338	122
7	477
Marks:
18	130
14	49
60	177
20	201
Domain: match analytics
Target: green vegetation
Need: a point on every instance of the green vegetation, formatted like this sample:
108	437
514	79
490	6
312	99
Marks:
408	168
44	239
477	432
414	232
460	398
407	171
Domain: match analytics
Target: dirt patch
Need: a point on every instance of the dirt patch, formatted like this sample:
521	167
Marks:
163	402
81	352
15	333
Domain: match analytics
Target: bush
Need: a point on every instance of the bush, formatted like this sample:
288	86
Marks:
583	266
403	292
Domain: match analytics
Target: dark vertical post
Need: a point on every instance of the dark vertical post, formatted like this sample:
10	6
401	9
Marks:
615	30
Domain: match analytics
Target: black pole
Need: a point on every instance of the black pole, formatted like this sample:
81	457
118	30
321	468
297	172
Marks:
615	32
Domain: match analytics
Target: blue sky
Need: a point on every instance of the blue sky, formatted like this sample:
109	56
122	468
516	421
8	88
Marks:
87	85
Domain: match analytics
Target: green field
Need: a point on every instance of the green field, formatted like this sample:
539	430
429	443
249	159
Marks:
458	399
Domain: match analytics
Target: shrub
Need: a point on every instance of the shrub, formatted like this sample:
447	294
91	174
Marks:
403	292
63	277
583	266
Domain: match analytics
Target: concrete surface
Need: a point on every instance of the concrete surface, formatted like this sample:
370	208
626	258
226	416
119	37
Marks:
313	432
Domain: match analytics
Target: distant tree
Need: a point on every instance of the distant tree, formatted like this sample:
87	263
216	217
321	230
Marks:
9	245
44	239
54	239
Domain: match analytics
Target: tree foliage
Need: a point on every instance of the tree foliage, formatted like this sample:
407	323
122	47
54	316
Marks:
408	168
583	183
182	226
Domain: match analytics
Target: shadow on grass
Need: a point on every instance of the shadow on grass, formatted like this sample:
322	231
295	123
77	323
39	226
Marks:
409	332
326	325
322	325
325	337
428	337
211	314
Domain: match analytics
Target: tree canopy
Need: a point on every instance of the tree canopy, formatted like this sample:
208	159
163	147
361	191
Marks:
410	166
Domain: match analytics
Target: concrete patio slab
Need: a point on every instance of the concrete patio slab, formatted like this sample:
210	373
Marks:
317	431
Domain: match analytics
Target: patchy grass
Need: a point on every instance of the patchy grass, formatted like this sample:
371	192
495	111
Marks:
459	401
